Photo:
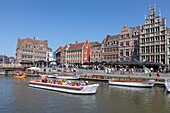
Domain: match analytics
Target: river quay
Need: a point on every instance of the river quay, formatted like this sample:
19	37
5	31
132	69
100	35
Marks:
100	75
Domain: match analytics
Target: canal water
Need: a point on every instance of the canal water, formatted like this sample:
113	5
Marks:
17	97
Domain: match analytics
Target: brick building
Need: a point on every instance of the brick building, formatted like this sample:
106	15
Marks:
110	48
61	54
78	53
128	43
29	50
96	52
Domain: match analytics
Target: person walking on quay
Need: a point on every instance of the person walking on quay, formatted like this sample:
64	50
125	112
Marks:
132	72
147	71
157	75
113	70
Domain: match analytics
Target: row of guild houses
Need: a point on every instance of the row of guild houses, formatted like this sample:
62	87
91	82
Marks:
147	42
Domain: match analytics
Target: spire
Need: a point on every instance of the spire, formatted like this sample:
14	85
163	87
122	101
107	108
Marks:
124	26
154	7
149	8
159	13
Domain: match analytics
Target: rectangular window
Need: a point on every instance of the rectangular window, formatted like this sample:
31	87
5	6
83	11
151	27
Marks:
85	57
85	51
143	50
86	46
135	42
147	49
121	52
135	52
127	52
157	48
127	43
121	43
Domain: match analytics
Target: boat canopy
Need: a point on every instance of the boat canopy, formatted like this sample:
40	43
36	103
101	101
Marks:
34	69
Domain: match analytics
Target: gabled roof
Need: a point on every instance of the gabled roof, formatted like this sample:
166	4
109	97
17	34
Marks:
135	28
75	47
115	37
94	43
21	42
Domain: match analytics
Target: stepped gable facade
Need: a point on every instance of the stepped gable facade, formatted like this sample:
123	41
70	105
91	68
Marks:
154	38
128	43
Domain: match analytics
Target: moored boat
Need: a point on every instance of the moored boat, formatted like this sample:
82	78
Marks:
68	77
167	85
19	74
72	88
132	82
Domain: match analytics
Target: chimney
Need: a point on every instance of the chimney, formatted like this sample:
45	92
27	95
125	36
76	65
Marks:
86	41
76	42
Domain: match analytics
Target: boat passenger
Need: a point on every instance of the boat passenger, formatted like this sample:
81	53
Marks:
63	82
68	83
44	79
86	82
82	83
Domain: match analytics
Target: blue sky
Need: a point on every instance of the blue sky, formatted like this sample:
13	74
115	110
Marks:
65	21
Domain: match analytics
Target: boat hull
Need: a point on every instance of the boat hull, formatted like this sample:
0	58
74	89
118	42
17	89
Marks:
167	85
20	76
132	84
88	89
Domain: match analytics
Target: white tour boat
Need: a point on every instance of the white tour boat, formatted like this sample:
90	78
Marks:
73	88
167	85
68	77
133	82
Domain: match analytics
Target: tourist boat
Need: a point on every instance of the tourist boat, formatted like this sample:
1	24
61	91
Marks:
19	74
74	89
167	85
133	82
69	77
33	72
64	76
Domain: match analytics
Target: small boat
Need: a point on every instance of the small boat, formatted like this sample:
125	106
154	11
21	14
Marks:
58	86
167	85
33	72
19	74
132	82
